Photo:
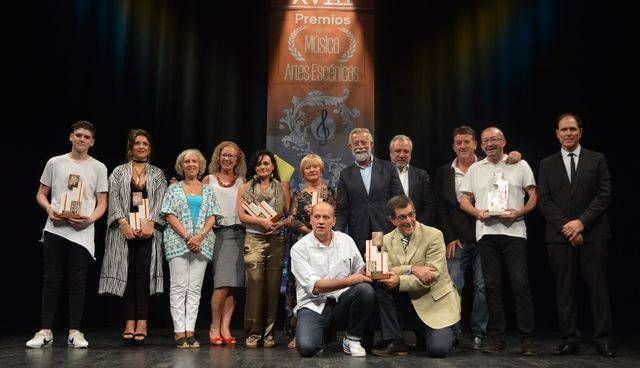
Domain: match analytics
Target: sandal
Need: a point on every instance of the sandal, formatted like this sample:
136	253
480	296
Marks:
216	340
292	344
139	342
127	338
193	343
230	340
182	343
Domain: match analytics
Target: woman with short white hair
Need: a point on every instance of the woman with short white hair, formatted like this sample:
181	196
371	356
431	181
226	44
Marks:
190	209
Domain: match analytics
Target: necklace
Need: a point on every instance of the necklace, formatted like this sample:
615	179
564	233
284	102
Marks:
192	188
226	185
137	175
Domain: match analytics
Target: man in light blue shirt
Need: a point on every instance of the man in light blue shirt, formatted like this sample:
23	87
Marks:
364	189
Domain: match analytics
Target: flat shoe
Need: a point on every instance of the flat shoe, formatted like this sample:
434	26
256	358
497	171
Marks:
182	343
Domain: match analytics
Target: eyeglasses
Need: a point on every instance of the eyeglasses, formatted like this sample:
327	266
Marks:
491	140
228	155
411	215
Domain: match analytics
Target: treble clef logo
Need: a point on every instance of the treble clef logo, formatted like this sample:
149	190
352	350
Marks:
322	131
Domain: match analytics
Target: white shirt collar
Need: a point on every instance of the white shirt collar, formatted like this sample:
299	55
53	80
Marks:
575	151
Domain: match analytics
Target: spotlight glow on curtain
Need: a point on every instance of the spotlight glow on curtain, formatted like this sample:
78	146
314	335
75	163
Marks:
321	82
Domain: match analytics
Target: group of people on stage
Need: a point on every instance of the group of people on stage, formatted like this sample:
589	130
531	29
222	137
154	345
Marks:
434	233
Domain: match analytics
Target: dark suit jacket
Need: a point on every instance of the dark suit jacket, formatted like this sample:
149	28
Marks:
453	221
421	194
587	198
363	212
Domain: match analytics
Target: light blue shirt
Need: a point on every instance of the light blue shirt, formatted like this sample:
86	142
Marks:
365	172
194	202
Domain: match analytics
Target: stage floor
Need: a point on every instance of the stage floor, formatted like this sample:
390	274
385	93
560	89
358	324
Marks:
106	351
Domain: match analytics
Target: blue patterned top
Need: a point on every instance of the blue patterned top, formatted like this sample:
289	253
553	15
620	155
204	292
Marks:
175	203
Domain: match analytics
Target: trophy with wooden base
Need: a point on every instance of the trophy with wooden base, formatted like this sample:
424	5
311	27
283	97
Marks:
259	208
71	201
497	198
138	219
376	259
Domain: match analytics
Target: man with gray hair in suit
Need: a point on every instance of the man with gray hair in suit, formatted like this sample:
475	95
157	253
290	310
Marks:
364	189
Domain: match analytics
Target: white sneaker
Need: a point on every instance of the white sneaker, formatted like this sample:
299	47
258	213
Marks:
76	340
353	348
41	339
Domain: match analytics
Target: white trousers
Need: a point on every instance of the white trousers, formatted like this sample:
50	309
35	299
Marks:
187	273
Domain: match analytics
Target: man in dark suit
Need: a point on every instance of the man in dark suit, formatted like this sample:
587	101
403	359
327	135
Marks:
416	183
575	191
364	189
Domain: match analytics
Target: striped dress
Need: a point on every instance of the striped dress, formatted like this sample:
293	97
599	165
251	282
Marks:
113	278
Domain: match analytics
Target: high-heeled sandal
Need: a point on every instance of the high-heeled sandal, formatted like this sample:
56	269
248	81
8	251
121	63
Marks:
127	338
229	340
139	342
216	340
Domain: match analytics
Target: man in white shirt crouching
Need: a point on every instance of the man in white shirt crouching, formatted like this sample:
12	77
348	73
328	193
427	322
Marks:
330	285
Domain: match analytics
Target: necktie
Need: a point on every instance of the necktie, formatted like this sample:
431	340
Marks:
572	167
405	242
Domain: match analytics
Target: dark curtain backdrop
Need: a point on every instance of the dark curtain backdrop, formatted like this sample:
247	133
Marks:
195	72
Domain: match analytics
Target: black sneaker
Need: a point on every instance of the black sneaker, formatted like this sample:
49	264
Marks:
495	346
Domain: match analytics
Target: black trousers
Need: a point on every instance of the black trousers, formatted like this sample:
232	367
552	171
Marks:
590	261
136	294
60	254
496	250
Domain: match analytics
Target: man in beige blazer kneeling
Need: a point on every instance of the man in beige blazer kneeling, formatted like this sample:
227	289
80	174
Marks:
419	274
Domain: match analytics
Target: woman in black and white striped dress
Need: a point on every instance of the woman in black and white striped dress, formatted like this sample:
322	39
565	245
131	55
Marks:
132	265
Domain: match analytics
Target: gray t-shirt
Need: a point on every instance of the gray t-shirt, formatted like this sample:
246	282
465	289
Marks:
87	178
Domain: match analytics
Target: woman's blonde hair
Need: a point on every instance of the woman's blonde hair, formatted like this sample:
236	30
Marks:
202	162
309	160
239	170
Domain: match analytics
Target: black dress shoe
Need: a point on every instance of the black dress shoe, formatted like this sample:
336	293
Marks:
527	347
396	347
606	349
567	348
495	346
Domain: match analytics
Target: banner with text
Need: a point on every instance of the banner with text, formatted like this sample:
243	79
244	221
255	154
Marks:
321	81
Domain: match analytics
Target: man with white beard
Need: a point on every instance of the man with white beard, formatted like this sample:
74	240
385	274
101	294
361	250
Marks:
364	189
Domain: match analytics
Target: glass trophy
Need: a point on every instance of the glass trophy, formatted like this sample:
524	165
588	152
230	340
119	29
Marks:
498	196
376	259
71	201
258	208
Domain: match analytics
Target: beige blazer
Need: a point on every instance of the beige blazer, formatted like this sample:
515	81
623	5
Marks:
438	303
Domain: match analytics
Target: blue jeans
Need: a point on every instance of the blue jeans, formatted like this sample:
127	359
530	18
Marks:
355	307
466	258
